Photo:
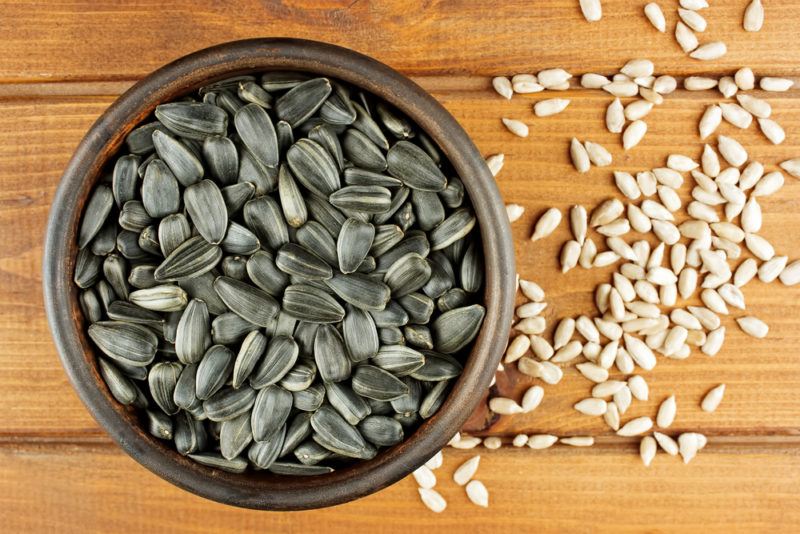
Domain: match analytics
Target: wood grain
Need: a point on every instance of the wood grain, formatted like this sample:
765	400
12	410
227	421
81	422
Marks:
35	153
87	40
557	490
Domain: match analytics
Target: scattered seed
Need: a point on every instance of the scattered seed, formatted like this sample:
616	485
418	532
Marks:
503	87
578	441
647	450
753	326
768	83
712	399
546	224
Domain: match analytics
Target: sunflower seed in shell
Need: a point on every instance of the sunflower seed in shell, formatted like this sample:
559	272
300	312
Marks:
360	334
159	424
294	207
297	431
392	315
236	195
336	434
184	395
375	383
193	120
360	290
263	178
280	357
313	236
173	230
213	371
302	100
299	377
229	403
434	399
330	355
125	342
270	411
437	367
325	135
90	305
338	108
160	191
88	267
381	430
257	132
418	336
398	359
128	245
162	379
293	469
350	406
264	273
250	91
124	179
247	301
263	454
206	207
354	243
295	260
190	259
140	140
391	336
120	310
164	298
407	274
185	166
97	209
454	329
307	303
313	167
235	436
419	307
189	434
367	125
250	352
105	240
311	453
414	167
309	399
362	152
119	385
217	461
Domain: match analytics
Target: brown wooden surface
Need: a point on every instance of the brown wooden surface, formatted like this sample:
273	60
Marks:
63	62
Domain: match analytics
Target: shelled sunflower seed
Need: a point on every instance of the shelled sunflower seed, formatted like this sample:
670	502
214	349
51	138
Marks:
247	272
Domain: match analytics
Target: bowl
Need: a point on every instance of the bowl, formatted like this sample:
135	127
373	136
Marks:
260	490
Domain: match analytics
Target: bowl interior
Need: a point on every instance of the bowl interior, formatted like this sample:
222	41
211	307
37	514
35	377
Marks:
258	489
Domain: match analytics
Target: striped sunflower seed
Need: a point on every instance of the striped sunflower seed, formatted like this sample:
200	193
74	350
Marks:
206	207
313	167
280	357
185	166
375	383
350	406
247	301
308	303
213	371
193	120
270	411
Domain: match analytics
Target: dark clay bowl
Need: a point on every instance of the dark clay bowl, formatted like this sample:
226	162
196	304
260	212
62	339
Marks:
257	489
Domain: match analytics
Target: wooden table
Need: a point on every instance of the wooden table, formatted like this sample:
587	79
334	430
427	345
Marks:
62	62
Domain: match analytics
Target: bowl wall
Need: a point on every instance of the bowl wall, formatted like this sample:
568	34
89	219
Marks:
263	490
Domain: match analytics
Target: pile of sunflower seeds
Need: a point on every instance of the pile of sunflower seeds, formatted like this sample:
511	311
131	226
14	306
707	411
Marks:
280	272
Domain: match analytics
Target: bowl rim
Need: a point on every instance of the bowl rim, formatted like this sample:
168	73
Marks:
65	317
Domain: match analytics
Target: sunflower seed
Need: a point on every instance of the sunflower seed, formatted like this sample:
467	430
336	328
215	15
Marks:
768	83
727	86
579	155
622	88
753	326
228	404
270	411
185	166
213	371
633	134
192	120
307	303
414	168
503	87
335	434
309	399
615	121
504	406
189	434
281	355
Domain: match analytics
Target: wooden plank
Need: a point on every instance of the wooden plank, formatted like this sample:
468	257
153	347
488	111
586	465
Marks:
558	490
86	40
37	137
